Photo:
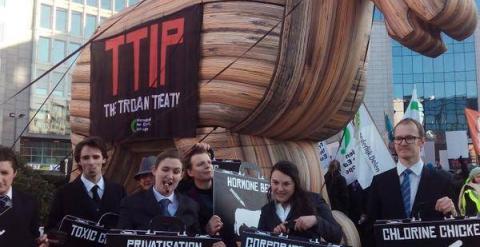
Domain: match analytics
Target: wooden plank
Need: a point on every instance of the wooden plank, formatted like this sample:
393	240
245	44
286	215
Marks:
81	125
80	108
80	91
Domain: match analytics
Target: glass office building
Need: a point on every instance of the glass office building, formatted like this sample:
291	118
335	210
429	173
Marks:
446	84
34	36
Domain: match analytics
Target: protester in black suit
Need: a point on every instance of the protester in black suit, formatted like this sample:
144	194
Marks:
292	210
337	188
90	195
198	184
423	192
18	211
138	210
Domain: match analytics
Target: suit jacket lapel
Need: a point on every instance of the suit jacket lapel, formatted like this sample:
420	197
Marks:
82	193
397	197
423	189
152	204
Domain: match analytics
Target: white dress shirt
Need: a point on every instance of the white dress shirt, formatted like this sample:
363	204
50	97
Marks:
282	212
414	178
89	185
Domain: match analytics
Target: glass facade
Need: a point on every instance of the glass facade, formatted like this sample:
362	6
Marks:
43	154
60	29
106	4
76	23
45	16
446	84
61	20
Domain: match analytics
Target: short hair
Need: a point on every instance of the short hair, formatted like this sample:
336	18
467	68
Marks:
170	153
196	149
7	154
405	121
93	141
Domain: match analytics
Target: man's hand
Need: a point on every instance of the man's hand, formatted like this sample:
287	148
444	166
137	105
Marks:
445	205
280	228
214	225
304	223
219	244
42	241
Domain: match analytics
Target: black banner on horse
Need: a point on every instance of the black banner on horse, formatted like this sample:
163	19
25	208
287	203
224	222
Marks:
144	81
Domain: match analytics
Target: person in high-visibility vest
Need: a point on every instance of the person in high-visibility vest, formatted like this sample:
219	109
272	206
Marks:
469	201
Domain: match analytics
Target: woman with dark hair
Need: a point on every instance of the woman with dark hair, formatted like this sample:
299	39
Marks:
337	188
292	210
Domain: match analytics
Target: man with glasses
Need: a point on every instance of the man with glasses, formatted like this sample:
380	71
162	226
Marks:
410	189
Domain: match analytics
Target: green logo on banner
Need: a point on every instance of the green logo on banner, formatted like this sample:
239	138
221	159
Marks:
133	125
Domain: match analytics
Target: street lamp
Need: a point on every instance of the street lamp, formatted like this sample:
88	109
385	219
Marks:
15	118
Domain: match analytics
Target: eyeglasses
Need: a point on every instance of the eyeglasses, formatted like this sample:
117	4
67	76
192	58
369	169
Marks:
408	139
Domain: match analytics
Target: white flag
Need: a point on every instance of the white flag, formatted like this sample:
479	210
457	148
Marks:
324	156
373	156
415	108
346	154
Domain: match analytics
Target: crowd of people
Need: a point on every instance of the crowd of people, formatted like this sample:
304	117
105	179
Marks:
182	187
169	187
411	189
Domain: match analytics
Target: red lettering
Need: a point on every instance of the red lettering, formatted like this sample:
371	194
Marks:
153	75
168	40
135	37
113	44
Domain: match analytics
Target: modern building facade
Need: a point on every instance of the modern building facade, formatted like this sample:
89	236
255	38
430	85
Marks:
446	84
34	36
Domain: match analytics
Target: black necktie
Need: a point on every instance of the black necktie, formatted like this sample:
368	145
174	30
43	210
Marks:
164	203
94	190
5	204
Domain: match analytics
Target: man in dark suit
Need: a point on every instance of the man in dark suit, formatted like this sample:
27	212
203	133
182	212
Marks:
138	210
90	195
411	189
18	211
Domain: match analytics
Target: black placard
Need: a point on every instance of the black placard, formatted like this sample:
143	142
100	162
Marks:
250	239
160	240
144	81
81	232
450	232
237	200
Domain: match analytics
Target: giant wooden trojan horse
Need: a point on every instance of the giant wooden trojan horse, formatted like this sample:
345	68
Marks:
301	83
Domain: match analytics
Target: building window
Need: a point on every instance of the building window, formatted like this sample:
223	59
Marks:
41	87
61	20
119	5
43	50
72	46
3	3
45	16
58	52
2	31
44	154
107	4
76	23
93	3
132	2
77	1
90	25
59	91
